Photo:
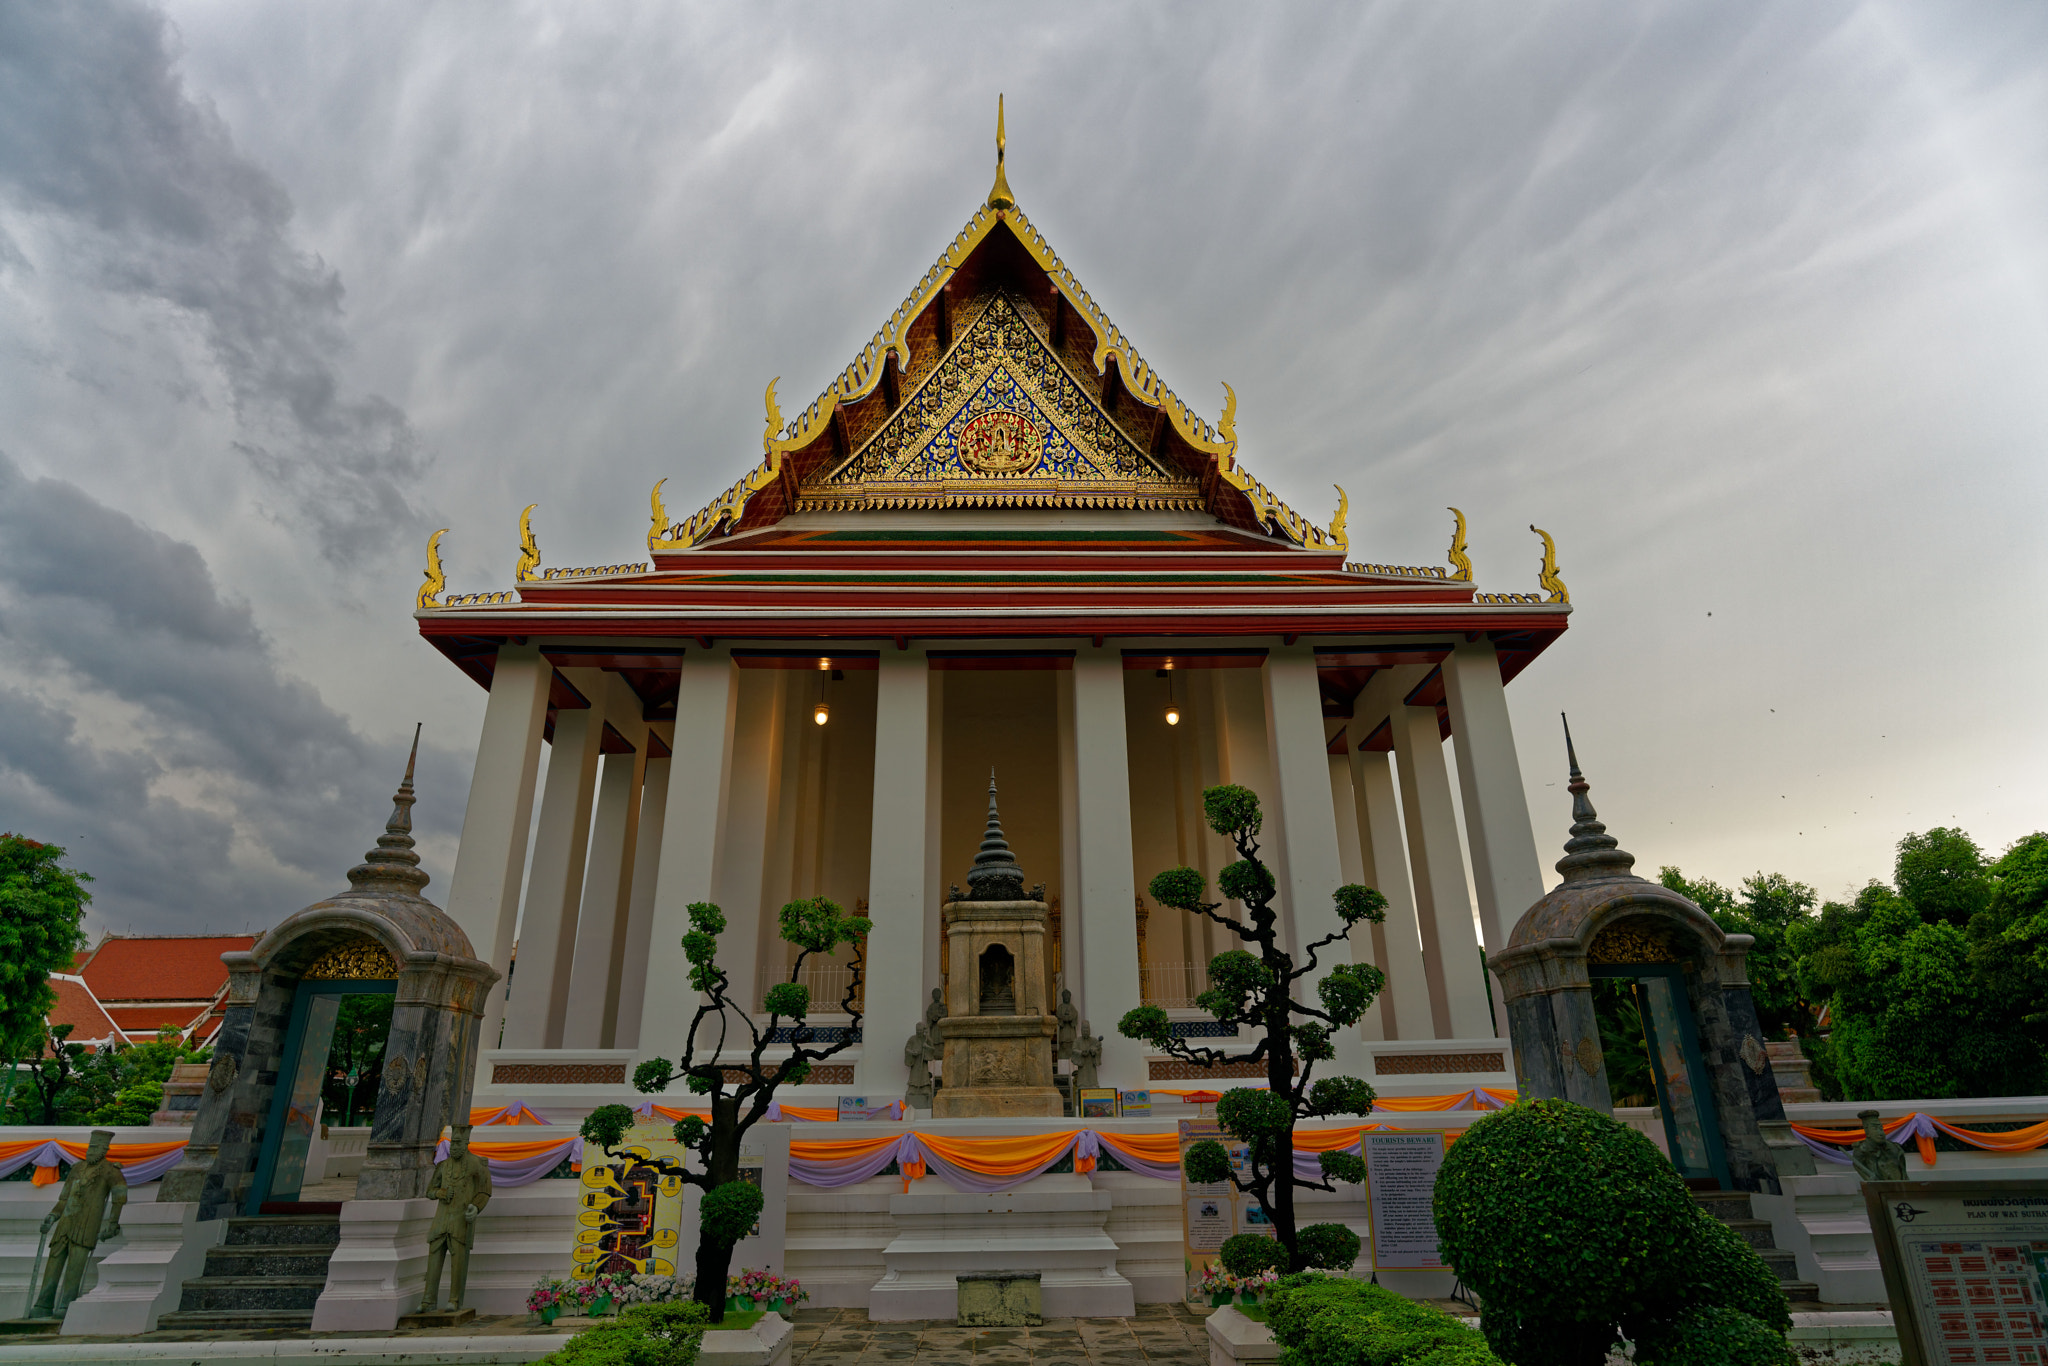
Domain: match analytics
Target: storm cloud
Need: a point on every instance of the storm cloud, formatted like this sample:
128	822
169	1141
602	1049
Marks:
157	202
1746	303
145	724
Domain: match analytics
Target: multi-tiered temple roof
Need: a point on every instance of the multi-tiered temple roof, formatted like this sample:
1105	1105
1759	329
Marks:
997	462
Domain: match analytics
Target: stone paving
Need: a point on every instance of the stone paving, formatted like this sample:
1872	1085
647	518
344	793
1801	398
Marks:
1168	1334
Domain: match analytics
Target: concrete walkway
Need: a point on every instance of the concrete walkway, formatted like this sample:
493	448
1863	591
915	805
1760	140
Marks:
1166	1334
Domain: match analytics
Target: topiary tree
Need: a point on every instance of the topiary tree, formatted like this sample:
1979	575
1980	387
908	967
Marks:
1254	986
739	1093
1575	1231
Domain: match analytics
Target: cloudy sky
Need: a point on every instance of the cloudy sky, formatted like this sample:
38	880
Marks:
1747	304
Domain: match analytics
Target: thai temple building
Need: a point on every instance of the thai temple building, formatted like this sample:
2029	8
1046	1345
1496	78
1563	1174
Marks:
996	542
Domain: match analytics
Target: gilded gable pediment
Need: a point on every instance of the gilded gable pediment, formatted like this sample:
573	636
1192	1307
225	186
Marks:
999	422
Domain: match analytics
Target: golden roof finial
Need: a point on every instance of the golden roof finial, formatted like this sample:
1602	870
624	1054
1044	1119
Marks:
529	549
1546	574
999	196
430	591
1337	536
1461	563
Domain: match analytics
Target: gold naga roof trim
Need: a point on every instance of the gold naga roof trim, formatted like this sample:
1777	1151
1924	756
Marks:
866	373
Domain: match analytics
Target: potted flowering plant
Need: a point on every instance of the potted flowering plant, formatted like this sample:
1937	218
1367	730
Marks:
653	1289
1251	1289
1219	1285
549	1297
757	1289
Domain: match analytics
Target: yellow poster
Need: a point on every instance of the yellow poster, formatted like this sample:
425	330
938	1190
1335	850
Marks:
631	1216
1212	1213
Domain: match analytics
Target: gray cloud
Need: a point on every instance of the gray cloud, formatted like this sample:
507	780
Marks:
146	724
1747	303
156	201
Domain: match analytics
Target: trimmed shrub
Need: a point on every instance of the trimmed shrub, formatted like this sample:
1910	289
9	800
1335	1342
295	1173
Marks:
1554	1211
666	1334
1247	1254
1717	1336
1336	1321
1329	1247
1575	1230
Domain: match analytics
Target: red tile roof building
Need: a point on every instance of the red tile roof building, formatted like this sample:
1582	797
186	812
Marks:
130	986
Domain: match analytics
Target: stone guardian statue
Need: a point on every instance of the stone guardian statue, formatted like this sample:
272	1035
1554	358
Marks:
88	1209
1063	1046
461	1187
1877	1158
918	1054
1087	1057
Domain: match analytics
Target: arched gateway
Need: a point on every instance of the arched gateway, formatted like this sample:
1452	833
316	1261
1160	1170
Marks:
1706	1048
257	1114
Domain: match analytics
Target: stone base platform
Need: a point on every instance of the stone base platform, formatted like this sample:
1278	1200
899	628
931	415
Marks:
1053	1225
998	1102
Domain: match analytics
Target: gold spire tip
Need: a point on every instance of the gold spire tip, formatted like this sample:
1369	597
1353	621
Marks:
999	196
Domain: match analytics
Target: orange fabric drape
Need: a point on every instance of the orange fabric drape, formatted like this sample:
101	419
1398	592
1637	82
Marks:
816	1114
515	1113
512	1151
1000	1156
120	1154
837	1149
1845	1137
2013	1141
676	1112
1146	1147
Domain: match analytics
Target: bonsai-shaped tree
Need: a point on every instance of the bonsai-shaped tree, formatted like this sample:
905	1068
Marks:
739	1093
1255	986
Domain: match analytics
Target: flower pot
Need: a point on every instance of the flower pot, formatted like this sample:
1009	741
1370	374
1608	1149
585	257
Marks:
737	1304
1218	1298
551	1313
601	1305
778	1306
1247	1297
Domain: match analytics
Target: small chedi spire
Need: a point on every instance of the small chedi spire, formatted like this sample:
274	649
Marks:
1591	852
999	196
393	866
995	875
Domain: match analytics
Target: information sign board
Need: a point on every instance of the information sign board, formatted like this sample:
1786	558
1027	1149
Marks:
1212	1213
1400	1179
1966	1268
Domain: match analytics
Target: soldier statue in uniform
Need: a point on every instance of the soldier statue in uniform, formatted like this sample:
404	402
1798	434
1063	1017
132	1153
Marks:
88	1209
462	1187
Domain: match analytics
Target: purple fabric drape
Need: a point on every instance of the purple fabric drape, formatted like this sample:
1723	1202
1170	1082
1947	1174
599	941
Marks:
833	1174
526	1170
1919	1126
135	1173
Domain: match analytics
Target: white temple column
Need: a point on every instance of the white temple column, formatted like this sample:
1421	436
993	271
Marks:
896	870
1450	945
1365	945
1497	830
490	863
760	732
1311	871
554	891
607	901
1072	970
700	777
631	953
934	827
1384	851
1106	917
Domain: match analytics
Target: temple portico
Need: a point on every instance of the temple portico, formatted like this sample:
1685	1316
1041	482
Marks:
997	542
745	798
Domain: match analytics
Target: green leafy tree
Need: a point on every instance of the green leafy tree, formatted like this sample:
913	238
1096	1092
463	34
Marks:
738	1093
47	1070
1767	906
1254	987
2009	938
1941	873
361	1029
1934	987
42	904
